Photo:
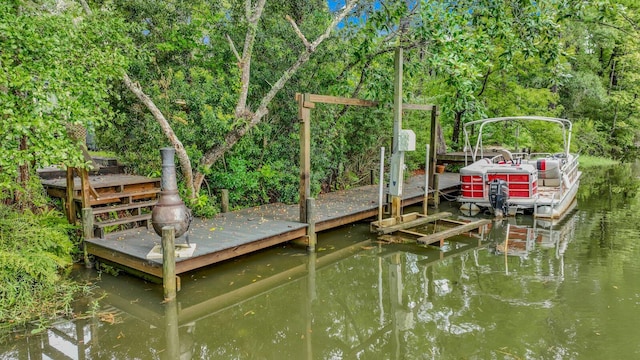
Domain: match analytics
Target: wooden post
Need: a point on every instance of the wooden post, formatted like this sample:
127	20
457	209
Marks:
425	201
381	187
87	231
86	188
372	180
434	147
70	205
168	263
225	200
172	336
311	227
397	158
304	115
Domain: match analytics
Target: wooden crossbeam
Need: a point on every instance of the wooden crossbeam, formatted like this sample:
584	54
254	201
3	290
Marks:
413	223
441	235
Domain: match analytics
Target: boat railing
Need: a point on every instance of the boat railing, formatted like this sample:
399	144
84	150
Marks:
571	169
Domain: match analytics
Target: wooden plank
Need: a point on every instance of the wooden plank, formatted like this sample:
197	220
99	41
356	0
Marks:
414	223
326	99
430	239
125	195
226	254
124	220
417	107
120	258
414	233
135	205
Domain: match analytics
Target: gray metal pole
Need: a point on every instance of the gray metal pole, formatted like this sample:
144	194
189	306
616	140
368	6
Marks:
381	187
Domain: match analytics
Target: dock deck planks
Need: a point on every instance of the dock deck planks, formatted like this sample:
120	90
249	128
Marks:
241	232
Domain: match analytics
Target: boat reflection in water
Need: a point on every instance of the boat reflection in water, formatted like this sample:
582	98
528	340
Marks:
365	300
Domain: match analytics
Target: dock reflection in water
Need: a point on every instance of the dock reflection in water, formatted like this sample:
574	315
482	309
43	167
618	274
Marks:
366	301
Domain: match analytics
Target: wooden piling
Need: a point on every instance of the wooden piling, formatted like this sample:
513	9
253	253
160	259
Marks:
436	191
425	202
225	200
70	206
311	224
172	335
87	233
168	263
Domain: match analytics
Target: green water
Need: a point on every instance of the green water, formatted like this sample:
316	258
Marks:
564	290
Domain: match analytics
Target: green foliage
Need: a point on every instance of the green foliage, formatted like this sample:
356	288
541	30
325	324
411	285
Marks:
35	253
587	161
56	71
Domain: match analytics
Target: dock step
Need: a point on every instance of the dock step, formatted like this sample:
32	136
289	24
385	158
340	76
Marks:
124	197
99	227
122	207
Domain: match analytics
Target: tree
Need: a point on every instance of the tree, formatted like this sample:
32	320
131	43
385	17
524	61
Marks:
603	84
56	71
245	116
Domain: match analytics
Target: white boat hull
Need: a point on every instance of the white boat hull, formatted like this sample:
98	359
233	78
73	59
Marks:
542	184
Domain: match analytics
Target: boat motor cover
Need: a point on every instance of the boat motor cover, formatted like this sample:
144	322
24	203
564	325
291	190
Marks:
498	195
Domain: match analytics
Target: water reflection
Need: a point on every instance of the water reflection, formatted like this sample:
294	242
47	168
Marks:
566	289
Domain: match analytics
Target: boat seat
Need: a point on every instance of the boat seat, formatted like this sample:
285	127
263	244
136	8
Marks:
506	155
549	171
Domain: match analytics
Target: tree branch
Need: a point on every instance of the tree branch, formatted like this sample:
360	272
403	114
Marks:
252	17
484	82
298	32
233	136
183	158
233	48
86	7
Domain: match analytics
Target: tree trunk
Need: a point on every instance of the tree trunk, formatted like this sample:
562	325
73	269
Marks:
242	111
457	124
442	144
23	177
183	158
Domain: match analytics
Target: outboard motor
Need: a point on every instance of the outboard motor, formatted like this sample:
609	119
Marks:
498	196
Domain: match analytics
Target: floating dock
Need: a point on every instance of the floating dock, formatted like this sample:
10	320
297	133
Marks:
229	235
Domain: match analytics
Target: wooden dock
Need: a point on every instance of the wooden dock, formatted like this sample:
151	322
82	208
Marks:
233	234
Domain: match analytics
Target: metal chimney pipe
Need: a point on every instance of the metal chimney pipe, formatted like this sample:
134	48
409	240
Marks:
170	209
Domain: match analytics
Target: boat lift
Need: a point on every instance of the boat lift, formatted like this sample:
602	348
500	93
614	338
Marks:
405	140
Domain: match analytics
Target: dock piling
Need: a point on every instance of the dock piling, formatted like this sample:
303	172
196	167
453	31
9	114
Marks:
425	203
224	200
436	191
87	233
168	263
311	221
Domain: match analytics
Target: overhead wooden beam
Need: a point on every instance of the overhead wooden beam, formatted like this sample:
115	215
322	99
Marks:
326	99
417	107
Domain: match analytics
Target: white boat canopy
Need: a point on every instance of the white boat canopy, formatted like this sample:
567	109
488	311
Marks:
566	132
